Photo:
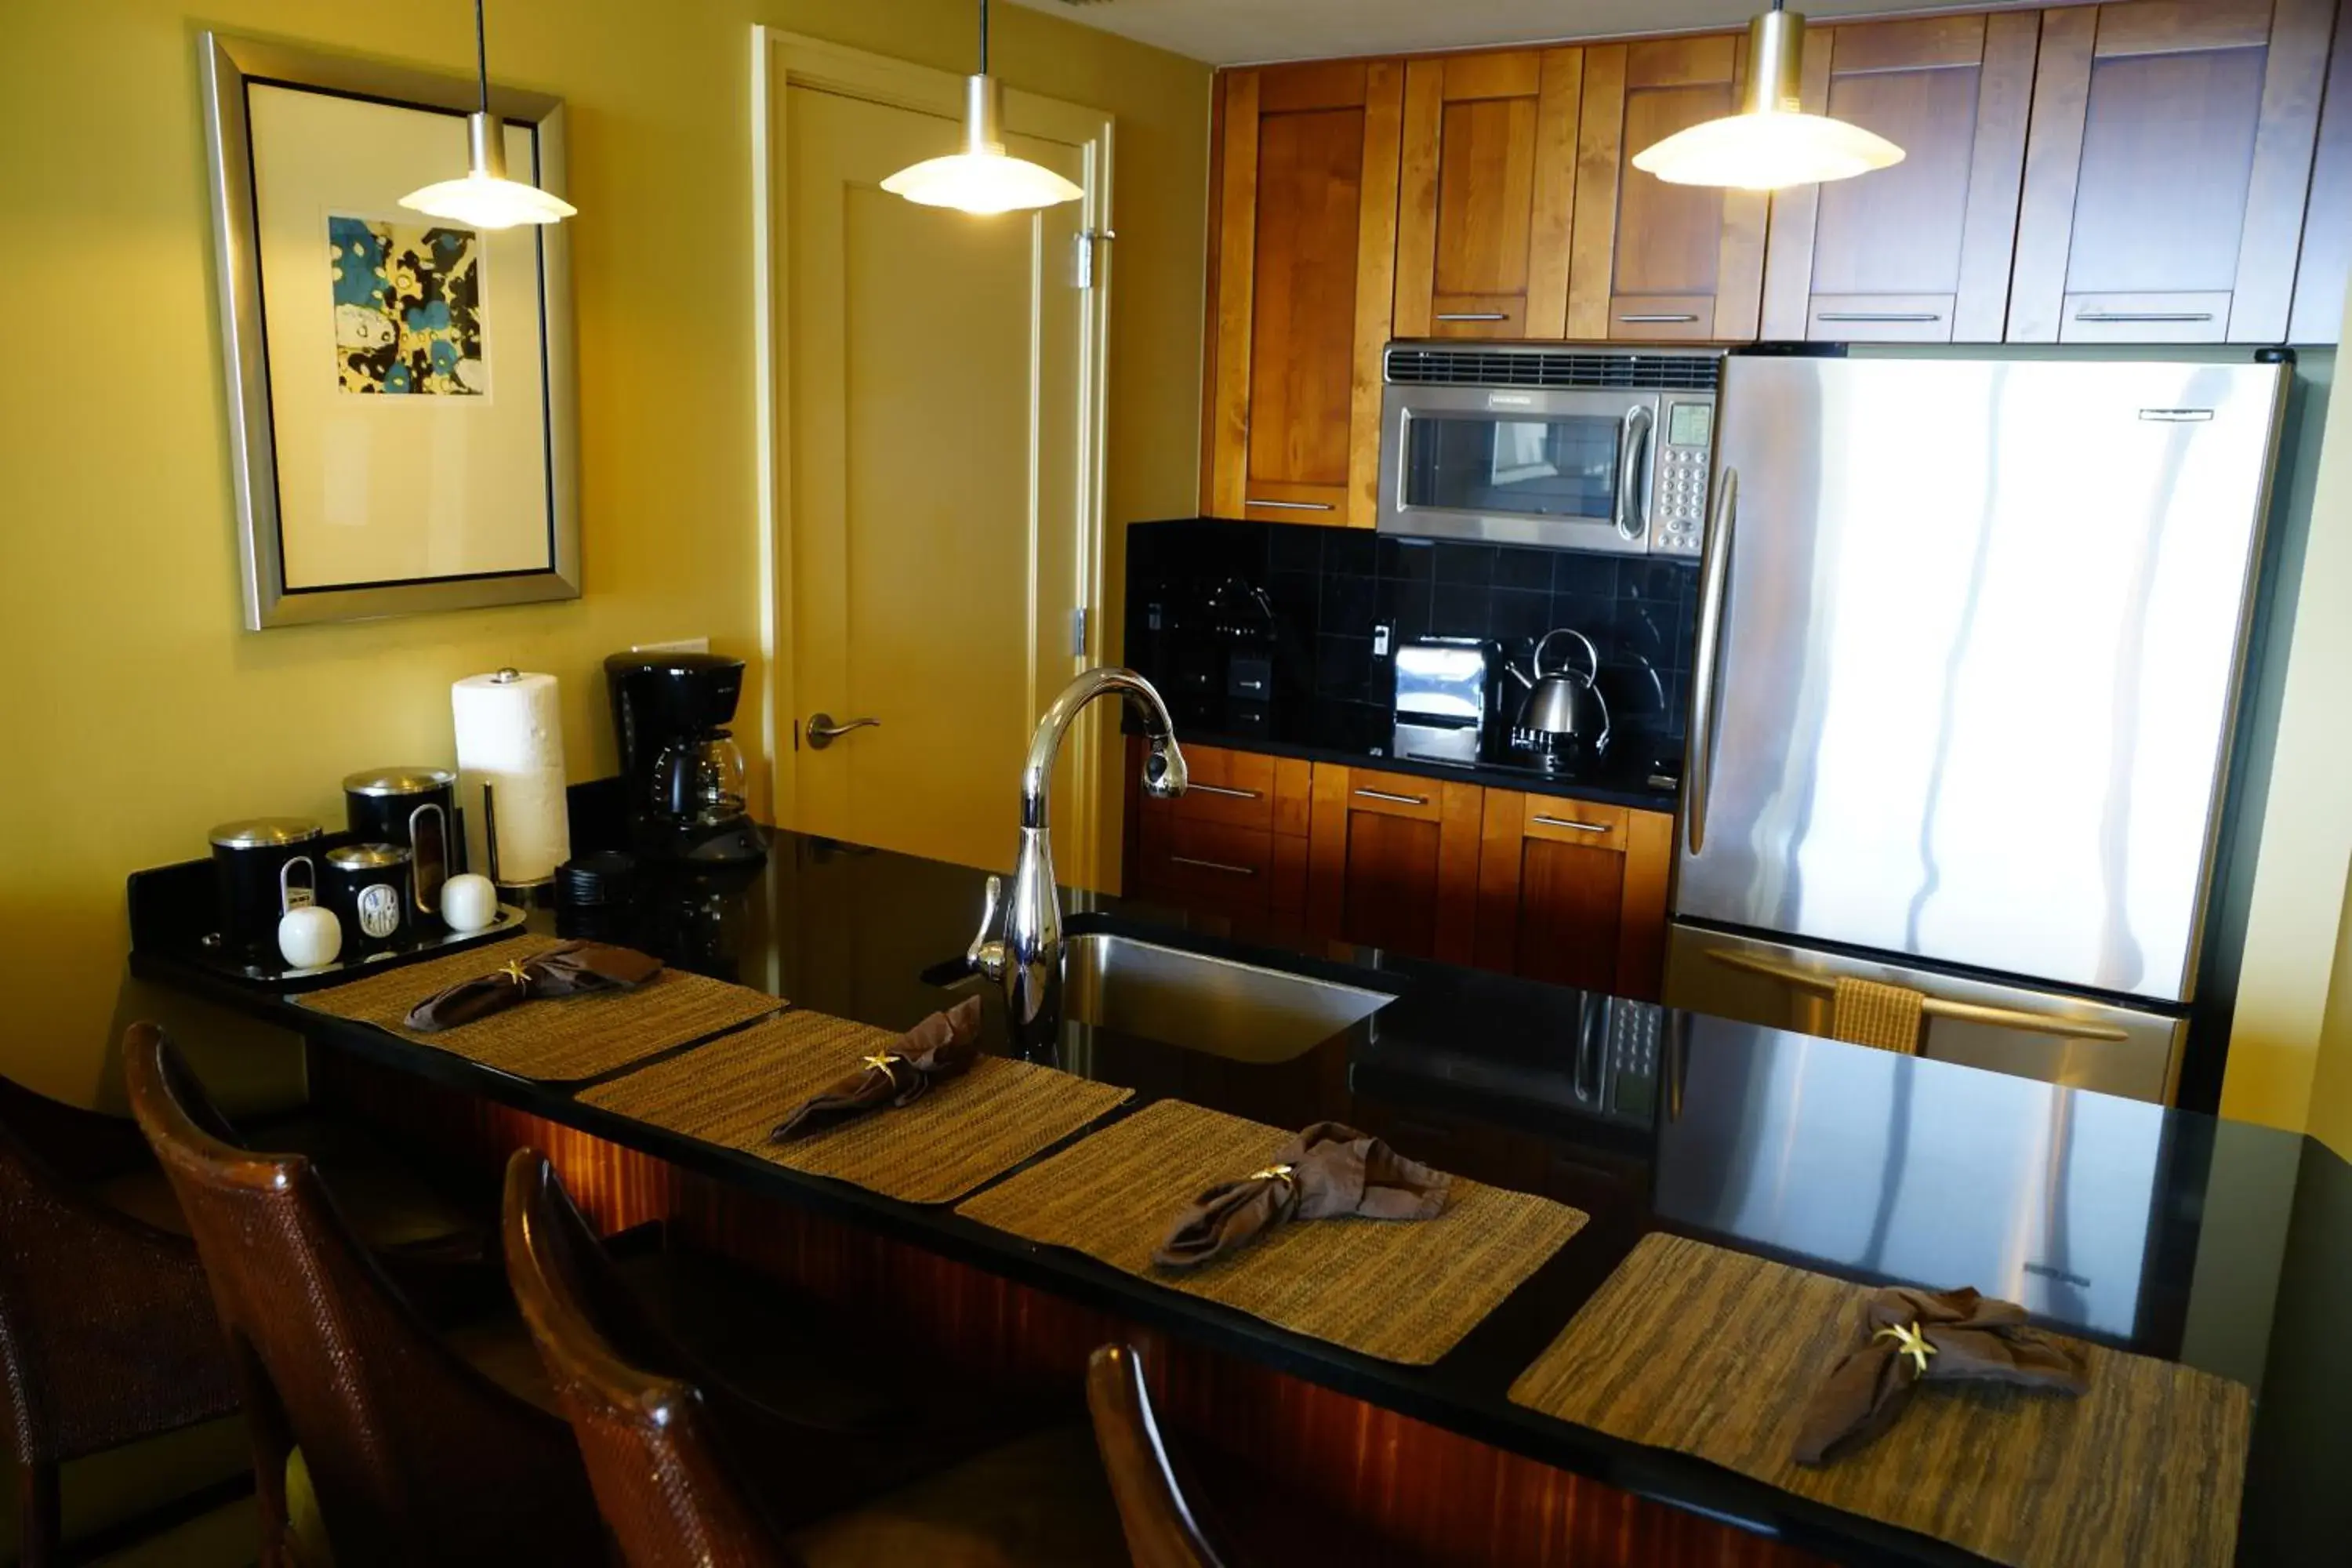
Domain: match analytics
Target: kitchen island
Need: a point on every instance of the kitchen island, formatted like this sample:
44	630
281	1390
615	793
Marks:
2223	1247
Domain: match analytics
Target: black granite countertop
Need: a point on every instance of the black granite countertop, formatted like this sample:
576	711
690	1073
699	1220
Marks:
2225	1247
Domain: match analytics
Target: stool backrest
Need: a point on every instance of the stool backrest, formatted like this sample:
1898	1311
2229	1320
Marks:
1158	1523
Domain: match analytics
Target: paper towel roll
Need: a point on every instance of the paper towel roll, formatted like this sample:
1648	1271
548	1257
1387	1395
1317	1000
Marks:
510	737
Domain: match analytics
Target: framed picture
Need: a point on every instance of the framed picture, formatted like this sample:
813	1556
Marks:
399	391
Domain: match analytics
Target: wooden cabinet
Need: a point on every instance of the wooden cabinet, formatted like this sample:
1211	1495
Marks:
2324	266
2166	168
1648	260
1488	169
1393	862
1574	892
1302	261
1920	252
1234	844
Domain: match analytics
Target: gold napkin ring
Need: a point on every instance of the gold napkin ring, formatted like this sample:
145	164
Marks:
515	972
886	1063
1909	1342
1282	1174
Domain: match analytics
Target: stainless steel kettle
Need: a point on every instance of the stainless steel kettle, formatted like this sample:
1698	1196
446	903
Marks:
1560	703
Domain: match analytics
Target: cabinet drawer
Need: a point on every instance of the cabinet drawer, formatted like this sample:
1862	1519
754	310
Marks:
1579	821
1231	868
1393	795
1232	788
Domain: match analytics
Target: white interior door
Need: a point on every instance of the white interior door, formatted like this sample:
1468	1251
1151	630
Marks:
937	498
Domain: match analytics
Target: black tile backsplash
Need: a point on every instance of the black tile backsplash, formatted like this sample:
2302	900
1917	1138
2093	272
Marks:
1332	589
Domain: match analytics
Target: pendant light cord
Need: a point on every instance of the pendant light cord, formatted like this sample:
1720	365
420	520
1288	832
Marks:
482	55
983	37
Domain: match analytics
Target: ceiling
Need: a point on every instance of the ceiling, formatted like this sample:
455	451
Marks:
1233	32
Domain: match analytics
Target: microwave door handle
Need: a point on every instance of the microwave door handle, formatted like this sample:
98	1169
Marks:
1632	450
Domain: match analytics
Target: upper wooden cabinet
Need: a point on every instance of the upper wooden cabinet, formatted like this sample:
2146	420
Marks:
1303	251
1920	252
1484	197
2166	167
1647	259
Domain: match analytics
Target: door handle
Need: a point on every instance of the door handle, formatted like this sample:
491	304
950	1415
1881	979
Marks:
1632	448
1566	822
1472	316
1198	788
1288	505
1398	799
1933	1007
2112	317
822	731
1889	316
1214	866
1659	319
1707	674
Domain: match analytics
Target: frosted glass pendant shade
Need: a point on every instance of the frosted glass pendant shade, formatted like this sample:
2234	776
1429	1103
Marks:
484	197
983	178
1771	142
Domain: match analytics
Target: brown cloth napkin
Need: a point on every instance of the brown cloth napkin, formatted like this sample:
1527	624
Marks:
1328	1170
941	1046
575	966
1962	1337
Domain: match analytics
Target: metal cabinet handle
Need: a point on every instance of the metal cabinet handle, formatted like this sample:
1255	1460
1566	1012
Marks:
2121	316
1933	1007
1198	788
1214	866
1707	675
1566	822
1633	449
1288	505
1878	316
1473	316
1656	319
822	731
2176	415
1398	799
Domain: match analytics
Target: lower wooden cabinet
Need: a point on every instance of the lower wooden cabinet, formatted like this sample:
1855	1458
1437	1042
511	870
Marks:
1570	891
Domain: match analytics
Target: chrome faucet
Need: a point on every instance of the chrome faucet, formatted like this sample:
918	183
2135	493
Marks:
1026	958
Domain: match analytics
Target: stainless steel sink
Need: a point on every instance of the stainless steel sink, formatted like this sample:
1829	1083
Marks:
1202	1003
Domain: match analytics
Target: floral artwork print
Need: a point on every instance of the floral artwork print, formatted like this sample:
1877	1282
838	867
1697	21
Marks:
408	306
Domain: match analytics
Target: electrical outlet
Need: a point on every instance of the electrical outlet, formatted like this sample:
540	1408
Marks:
680	645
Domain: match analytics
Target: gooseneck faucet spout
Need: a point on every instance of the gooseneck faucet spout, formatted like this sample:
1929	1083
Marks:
1026	956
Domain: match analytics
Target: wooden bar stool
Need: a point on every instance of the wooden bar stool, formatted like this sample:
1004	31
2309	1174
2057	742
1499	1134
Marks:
670	1446
416	1454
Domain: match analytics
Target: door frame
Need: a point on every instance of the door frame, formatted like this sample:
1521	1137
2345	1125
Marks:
779	61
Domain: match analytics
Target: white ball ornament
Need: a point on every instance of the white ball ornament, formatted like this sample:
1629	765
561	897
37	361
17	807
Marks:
469	902
308	936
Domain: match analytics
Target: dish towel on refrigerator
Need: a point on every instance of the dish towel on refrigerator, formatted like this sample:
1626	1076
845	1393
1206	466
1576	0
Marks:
1886	1017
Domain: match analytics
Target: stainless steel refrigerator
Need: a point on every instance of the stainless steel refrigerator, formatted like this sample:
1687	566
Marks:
1970	634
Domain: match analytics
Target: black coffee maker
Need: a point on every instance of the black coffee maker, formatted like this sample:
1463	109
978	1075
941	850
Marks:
680	765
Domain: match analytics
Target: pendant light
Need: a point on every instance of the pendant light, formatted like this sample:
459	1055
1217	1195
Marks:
484	197
983	178
1771	142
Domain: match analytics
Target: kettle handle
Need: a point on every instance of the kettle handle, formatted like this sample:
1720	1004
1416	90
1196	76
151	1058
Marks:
1591	652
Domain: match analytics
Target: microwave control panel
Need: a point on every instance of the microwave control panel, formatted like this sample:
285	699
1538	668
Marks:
1685	458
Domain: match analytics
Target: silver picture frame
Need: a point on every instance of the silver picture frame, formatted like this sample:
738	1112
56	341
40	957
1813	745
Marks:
230	67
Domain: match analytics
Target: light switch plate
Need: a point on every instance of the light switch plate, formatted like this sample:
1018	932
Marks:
680	645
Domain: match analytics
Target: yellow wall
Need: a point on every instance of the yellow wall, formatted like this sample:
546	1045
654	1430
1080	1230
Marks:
133	710
2291	1047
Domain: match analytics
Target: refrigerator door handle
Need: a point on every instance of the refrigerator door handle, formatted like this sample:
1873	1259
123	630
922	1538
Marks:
1933	1006
1706	678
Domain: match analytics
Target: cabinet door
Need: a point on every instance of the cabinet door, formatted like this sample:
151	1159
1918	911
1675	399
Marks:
1920	252
2166	170
1647	259
1488	171
2325	263
1574	892
1303	250
1234	844
1393	862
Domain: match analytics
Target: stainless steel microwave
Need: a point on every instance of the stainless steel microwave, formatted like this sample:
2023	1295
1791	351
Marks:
1575	447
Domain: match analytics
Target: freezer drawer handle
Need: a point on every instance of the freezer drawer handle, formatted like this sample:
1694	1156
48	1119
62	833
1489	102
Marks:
1219	789
1400	799
2176	415
1934	1007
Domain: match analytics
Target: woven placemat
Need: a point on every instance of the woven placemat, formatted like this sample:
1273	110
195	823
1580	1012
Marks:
1716	1354
562	1039
1403	1292
964	1130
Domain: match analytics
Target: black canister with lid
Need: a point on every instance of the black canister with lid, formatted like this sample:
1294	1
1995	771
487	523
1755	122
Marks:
416	809
263	867
367	886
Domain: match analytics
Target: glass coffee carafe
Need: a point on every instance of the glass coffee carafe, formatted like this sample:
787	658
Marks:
698	781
